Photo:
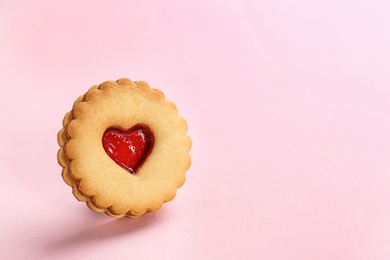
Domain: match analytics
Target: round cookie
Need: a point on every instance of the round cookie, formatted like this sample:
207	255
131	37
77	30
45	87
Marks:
124	149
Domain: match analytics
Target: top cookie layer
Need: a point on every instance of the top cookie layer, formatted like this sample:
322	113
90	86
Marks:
104	184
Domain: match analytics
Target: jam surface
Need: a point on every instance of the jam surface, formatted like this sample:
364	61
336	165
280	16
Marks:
128	148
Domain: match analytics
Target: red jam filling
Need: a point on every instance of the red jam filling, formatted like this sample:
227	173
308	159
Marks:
128	148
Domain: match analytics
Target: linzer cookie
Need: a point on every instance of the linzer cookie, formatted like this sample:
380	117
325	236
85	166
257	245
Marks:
124	149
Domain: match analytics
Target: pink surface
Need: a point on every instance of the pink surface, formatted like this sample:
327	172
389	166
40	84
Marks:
288	108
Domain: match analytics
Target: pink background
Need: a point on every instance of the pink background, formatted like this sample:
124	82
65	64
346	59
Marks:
287	104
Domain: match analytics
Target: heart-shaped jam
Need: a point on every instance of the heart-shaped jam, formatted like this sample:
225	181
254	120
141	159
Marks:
128	148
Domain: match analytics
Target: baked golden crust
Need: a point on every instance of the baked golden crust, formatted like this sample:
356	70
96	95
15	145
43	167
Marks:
94	177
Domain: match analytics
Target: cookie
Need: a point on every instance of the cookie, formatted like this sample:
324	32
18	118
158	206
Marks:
124	149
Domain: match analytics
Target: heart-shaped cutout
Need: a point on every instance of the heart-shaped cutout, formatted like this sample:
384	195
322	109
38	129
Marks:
128	148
